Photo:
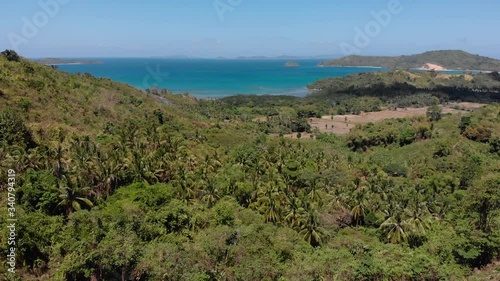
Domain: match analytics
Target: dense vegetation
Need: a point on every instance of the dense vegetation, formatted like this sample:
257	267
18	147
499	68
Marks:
354	94
449	59
117	184
405	88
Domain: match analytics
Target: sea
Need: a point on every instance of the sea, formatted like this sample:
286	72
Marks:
214	78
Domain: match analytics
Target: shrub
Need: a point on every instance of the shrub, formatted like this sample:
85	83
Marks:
25	104
465	122
434	113
495	145
11	55
495	75
443	149
225	212
396	170
479	133
407	136
36	84
39	192
14	131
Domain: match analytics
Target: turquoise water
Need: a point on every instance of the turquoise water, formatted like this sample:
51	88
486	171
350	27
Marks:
215	78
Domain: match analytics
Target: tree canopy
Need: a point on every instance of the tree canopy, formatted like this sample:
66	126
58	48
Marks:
136	185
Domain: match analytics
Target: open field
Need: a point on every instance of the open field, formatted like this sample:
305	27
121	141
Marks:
342	124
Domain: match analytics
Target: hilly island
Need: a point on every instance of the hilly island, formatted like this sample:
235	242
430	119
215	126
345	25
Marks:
438	60
387	175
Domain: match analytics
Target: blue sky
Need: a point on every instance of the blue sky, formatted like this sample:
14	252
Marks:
129	28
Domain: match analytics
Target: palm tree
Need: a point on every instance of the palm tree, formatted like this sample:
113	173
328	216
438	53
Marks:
358	211
57	153
128	134
72	196
321	161
184	183
209	165
107	174
268	202
19	158
164	168
293	211
209	191
140	164
310	229
191	160
397	230
315	188
337	201
83	152
57	162
419	218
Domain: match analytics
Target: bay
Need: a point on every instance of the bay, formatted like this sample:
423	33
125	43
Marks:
214	77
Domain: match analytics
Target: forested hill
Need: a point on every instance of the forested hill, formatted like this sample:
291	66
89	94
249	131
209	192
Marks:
49	97
448	59
388	84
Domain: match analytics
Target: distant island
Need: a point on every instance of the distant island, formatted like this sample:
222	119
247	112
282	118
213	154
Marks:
252	58
286	57
432	60
59	61
292	64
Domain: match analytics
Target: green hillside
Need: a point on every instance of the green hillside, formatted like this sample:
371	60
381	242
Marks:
399	85
112	183
449	59
75	102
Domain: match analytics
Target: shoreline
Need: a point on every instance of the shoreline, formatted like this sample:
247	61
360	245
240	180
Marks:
364	66
416	68
454	70
68	63
298	93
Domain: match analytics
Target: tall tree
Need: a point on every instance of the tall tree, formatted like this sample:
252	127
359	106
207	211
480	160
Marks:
73	196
